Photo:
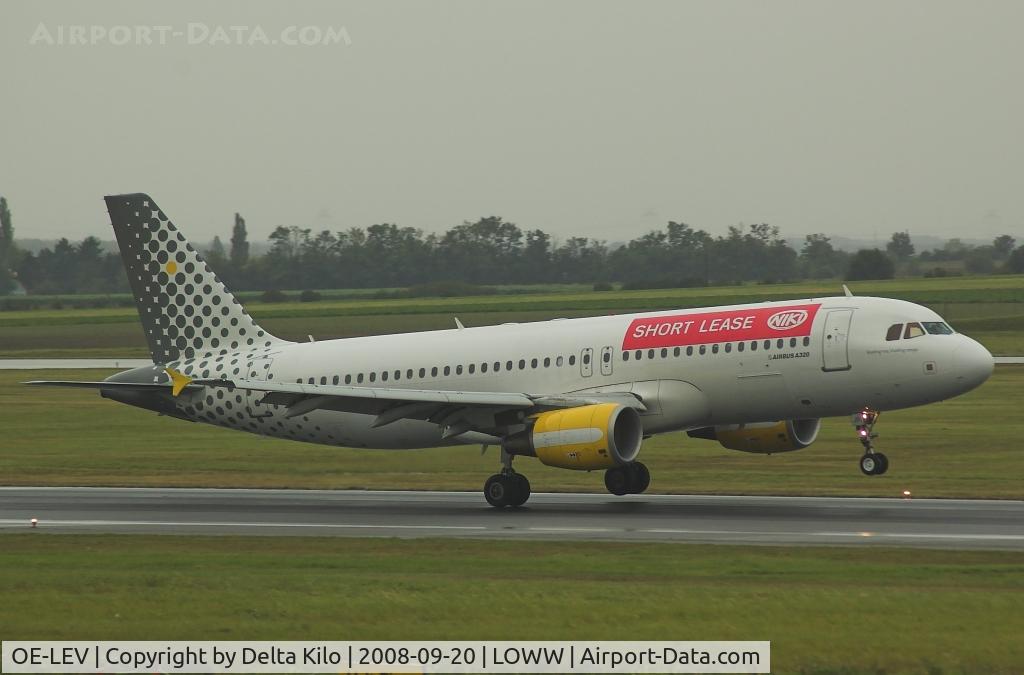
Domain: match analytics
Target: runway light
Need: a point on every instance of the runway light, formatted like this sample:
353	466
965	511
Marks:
34	522
906	494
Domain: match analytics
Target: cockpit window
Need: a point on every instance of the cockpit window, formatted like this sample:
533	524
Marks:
937	328
913	330
894	332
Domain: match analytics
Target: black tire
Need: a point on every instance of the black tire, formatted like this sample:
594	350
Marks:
869	464
618	479
498	491
641	478
883	464
522	490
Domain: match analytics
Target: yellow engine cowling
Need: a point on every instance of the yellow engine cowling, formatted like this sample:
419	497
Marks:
585	438
764	437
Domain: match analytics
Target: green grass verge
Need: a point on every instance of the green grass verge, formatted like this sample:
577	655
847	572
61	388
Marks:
825	610
965	447
68	301
994	289
125	339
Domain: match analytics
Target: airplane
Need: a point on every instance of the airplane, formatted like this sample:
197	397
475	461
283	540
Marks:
579	394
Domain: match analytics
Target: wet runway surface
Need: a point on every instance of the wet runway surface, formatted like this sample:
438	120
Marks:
667	518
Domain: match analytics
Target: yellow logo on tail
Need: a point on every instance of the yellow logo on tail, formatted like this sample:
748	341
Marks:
178	381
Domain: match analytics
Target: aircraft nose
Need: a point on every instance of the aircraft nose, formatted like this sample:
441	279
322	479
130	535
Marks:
972	363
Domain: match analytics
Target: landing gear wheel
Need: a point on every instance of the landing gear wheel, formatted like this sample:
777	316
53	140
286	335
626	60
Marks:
641	478
618	479
874	464
871	463
506	489
522	489
500	491
628	479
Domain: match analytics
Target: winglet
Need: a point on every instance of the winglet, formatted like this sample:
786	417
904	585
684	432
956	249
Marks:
847	291
178	381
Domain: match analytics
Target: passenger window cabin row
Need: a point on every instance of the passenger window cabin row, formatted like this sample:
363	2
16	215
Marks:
546	362
447	371
727	347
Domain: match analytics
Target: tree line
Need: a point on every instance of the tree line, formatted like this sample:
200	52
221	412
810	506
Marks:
494	251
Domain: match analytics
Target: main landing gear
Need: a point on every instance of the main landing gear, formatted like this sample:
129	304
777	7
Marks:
507	488
872	463
628	479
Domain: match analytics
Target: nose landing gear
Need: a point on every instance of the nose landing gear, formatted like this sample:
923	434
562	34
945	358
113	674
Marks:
872	463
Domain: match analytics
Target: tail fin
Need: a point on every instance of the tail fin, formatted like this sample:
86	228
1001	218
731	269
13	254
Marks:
185	309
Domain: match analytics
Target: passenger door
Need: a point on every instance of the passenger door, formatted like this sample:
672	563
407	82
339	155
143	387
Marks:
835	350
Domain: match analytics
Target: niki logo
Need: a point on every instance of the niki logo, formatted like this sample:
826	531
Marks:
791	318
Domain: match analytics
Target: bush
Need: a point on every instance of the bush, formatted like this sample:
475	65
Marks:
870	263
603	286
650	284
309	296
442	289
1015	263
980	261
273	296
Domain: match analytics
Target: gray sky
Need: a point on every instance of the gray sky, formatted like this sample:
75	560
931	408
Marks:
592	118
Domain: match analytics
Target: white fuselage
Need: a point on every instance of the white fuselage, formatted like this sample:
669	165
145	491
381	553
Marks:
835	362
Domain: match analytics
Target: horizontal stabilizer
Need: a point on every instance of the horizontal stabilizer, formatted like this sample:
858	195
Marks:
129	386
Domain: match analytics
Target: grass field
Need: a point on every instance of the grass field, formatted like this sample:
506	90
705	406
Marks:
989	308
825	610
966	447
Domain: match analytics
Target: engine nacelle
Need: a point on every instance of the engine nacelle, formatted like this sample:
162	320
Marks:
589	437
763	437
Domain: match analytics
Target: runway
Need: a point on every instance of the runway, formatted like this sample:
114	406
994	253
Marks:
667	518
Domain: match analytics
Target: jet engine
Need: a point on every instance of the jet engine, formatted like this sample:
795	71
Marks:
588	437
763	437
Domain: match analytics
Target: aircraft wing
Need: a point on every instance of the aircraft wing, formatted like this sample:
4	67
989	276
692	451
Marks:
278	393
457	411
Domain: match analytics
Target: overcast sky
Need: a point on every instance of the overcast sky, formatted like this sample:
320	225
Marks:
601	119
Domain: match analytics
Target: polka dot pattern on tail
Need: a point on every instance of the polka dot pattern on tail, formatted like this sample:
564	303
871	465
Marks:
184	317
